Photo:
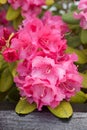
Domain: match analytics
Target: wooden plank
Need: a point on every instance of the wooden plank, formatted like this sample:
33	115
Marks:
43	120
9	120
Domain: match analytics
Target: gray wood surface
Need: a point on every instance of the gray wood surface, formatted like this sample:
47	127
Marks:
43	120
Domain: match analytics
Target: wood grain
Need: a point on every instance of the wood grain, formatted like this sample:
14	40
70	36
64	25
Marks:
43	120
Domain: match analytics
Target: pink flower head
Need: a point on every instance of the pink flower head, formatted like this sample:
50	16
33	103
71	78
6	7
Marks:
42	91
82	16
82	5
10	55
35	37
46	74
28	7
15	3
48	83
55	22
73	80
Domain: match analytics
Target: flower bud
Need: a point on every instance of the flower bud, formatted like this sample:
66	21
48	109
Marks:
10	55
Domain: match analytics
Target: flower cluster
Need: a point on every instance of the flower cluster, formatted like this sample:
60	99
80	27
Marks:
46	74
5	29
28	7
82	15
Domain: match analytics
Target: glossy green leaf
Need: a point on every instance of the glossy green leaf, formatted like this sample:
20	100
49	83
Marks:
84	83
82	58
23	107
80	97
69	18
64	110
84	36
12	14
3	1
6	80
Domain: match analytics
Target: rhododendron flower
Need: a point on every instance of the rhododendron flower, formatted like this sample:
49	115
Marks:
55	22
46	74
47	83
28	7
37	34
10	55
3	20
82	5
42	91
82	16
5	33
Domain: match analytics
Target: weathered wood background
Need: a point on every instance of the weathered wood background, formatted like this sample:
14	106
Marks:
44	120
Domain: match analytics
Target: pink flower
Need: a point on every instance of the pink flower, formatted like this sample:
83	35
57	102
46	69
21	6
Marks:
35	37
10	55
44	68
82	16
15	3
28	7
48	83
82	5
42	92
5	33
55	22
73	80
3	20
46	74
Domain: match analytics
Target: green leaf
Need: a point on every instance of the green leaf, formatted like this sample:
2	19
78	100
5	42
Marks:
84	36
73	41
73	7
3	95
3	1
82	59
80	97
12	68
68	18
13	94
64	110
23	107
49	2
12	14
73	26
84	51
3	64
17	22
84	83
6	80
